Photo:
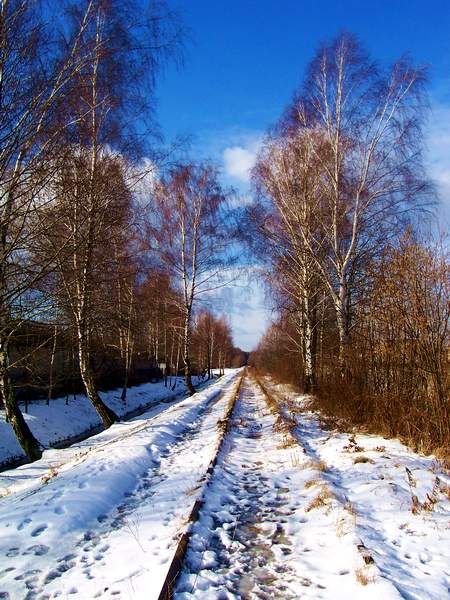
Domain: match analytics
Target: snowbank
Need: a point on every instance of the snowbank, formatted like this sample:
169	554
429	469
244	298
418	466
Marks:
58	422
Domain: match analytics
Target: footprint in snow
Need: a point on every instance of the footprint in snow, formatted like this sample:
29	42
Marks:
65	566
51	575
31	573
7	570
59	510
31	583
68	557
37	532
12	552
37	550
23	524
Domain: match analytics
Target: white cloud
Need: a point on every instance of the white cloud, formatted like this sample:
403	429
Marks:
244	303
438	156
238	162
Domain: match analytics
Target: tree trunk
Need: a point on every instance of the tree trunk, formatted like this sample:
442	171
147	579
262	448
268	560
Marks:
123	395
186	353
211	357
308	358
107	415
178	364
171	360
308	343
343	325
52	364
14	416
128	351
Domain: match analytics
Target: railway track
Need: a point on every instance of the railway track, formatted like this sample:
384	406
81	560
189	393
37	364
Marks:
251	431
61	444
222	499
177	562
250	549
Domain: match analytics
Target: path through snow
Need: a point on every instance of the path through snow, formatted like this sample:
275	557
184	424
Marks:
291	510
107	521
269	527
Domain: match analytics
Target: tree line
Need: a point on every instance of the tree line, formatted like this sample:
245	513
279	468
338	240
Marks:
360	287
106	246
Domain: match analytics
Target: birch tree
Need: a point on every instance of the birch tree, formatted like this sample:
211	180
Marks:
34	82
192	240
288	172
122	45
372	168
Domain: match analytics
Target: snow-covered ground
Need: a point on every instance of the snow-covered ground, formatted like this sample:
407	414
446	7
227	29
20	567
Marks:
262	533
399	501
102	518
60	421
292	510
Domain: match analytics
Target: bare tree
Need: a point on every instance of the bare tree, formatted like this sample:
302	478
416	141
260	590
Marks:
88	220
372	168
213	341
288	172
403	332
31	95
93	187
191	238
344	177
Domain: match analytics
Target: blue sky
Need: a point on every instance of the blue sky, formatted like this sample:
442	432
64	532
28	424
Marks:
243	60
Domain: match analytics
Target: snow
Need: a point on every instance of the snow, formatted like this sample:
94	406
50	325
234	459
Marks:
292	509
376	479
58	422
104	518
258	532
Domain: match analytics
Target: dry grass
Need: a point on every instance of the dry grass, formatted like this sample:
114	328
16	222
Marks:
317	465
363	459
443	454
357	404
432	498
445	489
343	527
348	506
295	459
287	442
362	576
321	499
53	472
284	424
352	446
311	483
